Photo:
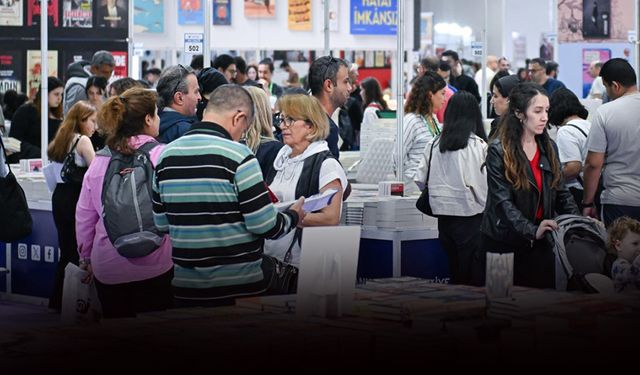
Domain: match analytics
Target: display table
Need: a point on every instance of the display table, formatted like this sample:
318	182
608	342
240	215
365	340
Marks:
32	261
396	323
402	252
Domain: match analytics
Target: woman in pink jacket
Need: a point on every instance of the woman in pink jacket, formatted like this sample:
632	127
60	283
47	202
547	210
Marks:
125	286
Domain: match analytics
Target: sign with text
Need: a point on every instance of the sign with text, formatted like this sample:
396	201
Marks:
374	17
193	43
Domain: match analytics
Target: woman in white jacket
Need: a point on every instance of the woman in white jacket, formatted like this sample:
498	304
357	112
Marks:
458	186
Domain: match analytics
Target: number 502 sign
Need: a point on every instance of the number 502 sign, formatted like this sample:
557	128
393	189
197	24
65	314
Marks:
193	43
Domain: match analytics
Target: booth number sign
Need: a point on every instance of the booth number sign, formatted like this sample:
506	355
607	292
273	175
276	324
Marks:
193	43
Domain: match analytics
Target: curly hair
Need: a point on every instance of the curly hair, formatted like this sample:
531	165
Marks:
419	101
619	229
515	160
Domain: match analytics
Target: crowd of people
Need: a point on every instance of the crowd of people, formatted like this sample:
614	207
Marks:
226	142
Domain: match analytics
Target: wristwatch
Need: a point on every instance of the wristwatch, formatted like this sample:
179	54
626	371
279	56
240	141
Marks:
587	205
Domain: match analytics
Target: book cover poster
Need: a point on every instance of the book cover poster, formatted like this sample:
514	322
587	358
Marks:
120	69
33	13
77	13
112	14
10	71
222	12
299	14
596	18
10	12
190	12
595	21
260	8
148	16
34	67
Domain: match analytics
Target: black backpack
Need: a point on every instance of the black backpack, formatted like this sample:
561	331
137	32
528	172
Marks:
126	200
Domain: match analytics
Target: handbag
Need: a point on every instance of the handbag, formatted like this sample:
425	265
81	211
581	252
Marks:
71	172
283	277
15	218
422	204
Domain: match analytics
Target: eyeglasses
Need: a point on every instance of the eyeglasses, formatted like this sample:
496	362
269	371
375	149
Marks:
534	70
325	67
285	122
183	70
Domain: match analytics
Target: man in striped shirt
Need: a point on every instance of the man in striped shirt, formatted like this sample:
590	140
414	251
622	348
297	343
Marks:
210	196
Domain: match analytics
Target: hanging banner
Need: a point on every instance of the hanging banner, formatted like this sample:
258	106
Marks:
11	13
148	16
190	12
260	8
222	12
299	15
374	17
120	69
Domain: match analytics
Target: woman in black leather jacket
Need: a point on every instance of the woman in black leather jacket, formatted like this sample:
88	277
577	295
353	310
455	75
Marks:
526	190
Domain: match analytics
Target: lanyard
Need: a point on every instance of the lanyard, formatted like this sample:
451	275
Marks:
435	131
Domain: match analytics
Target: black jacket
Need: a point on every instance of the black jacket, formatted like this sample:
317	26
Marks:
510	214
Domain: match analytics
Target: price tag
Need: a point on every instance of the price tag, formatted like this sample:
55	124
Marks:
193	43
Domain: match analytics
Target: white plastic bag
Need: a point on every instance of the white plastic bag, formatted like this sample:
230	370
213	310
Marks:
80	304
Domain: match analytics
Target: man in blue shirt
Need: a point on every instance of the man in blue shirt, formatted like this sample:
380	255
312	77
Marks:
538	73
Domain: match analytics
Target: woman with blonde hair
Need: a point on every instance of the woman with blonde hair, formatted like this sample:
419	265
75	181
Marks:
259	137
126	286
304	167
73	136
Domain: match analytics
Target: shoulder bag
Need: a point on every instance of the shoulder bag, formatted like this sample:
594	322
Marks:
71	172
283	276
422	204
15	218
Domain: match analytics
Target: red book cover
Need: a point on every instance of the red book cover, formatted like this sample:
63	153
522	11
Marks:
33	13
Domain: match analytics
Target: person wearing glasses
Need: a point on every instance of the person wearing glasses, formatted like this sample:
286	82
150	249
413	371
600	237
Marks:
210	196
330	83
304	167
226	65
178	97
538	72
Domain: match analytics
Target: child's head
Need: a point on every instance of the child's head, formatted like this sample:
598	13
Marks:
624	238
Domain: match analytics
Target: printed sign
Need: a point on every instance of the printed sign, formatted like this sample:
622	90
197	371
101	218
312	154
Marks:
374	17
193	43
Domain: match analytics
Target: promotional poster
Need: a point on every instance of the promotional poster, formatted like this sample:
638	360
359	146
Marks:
10	74
11	12
34	67
33	13
77	13
112	14
148	16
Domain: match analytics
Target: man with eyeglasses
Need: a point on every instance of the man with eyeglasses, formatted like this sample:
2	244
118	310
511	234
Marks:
538	72
209	195
330	83
178	97
226	65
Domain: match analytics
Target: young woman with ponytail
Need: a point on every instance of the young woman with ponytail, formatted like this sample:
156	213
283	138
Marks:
125	286
72	136
525	189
